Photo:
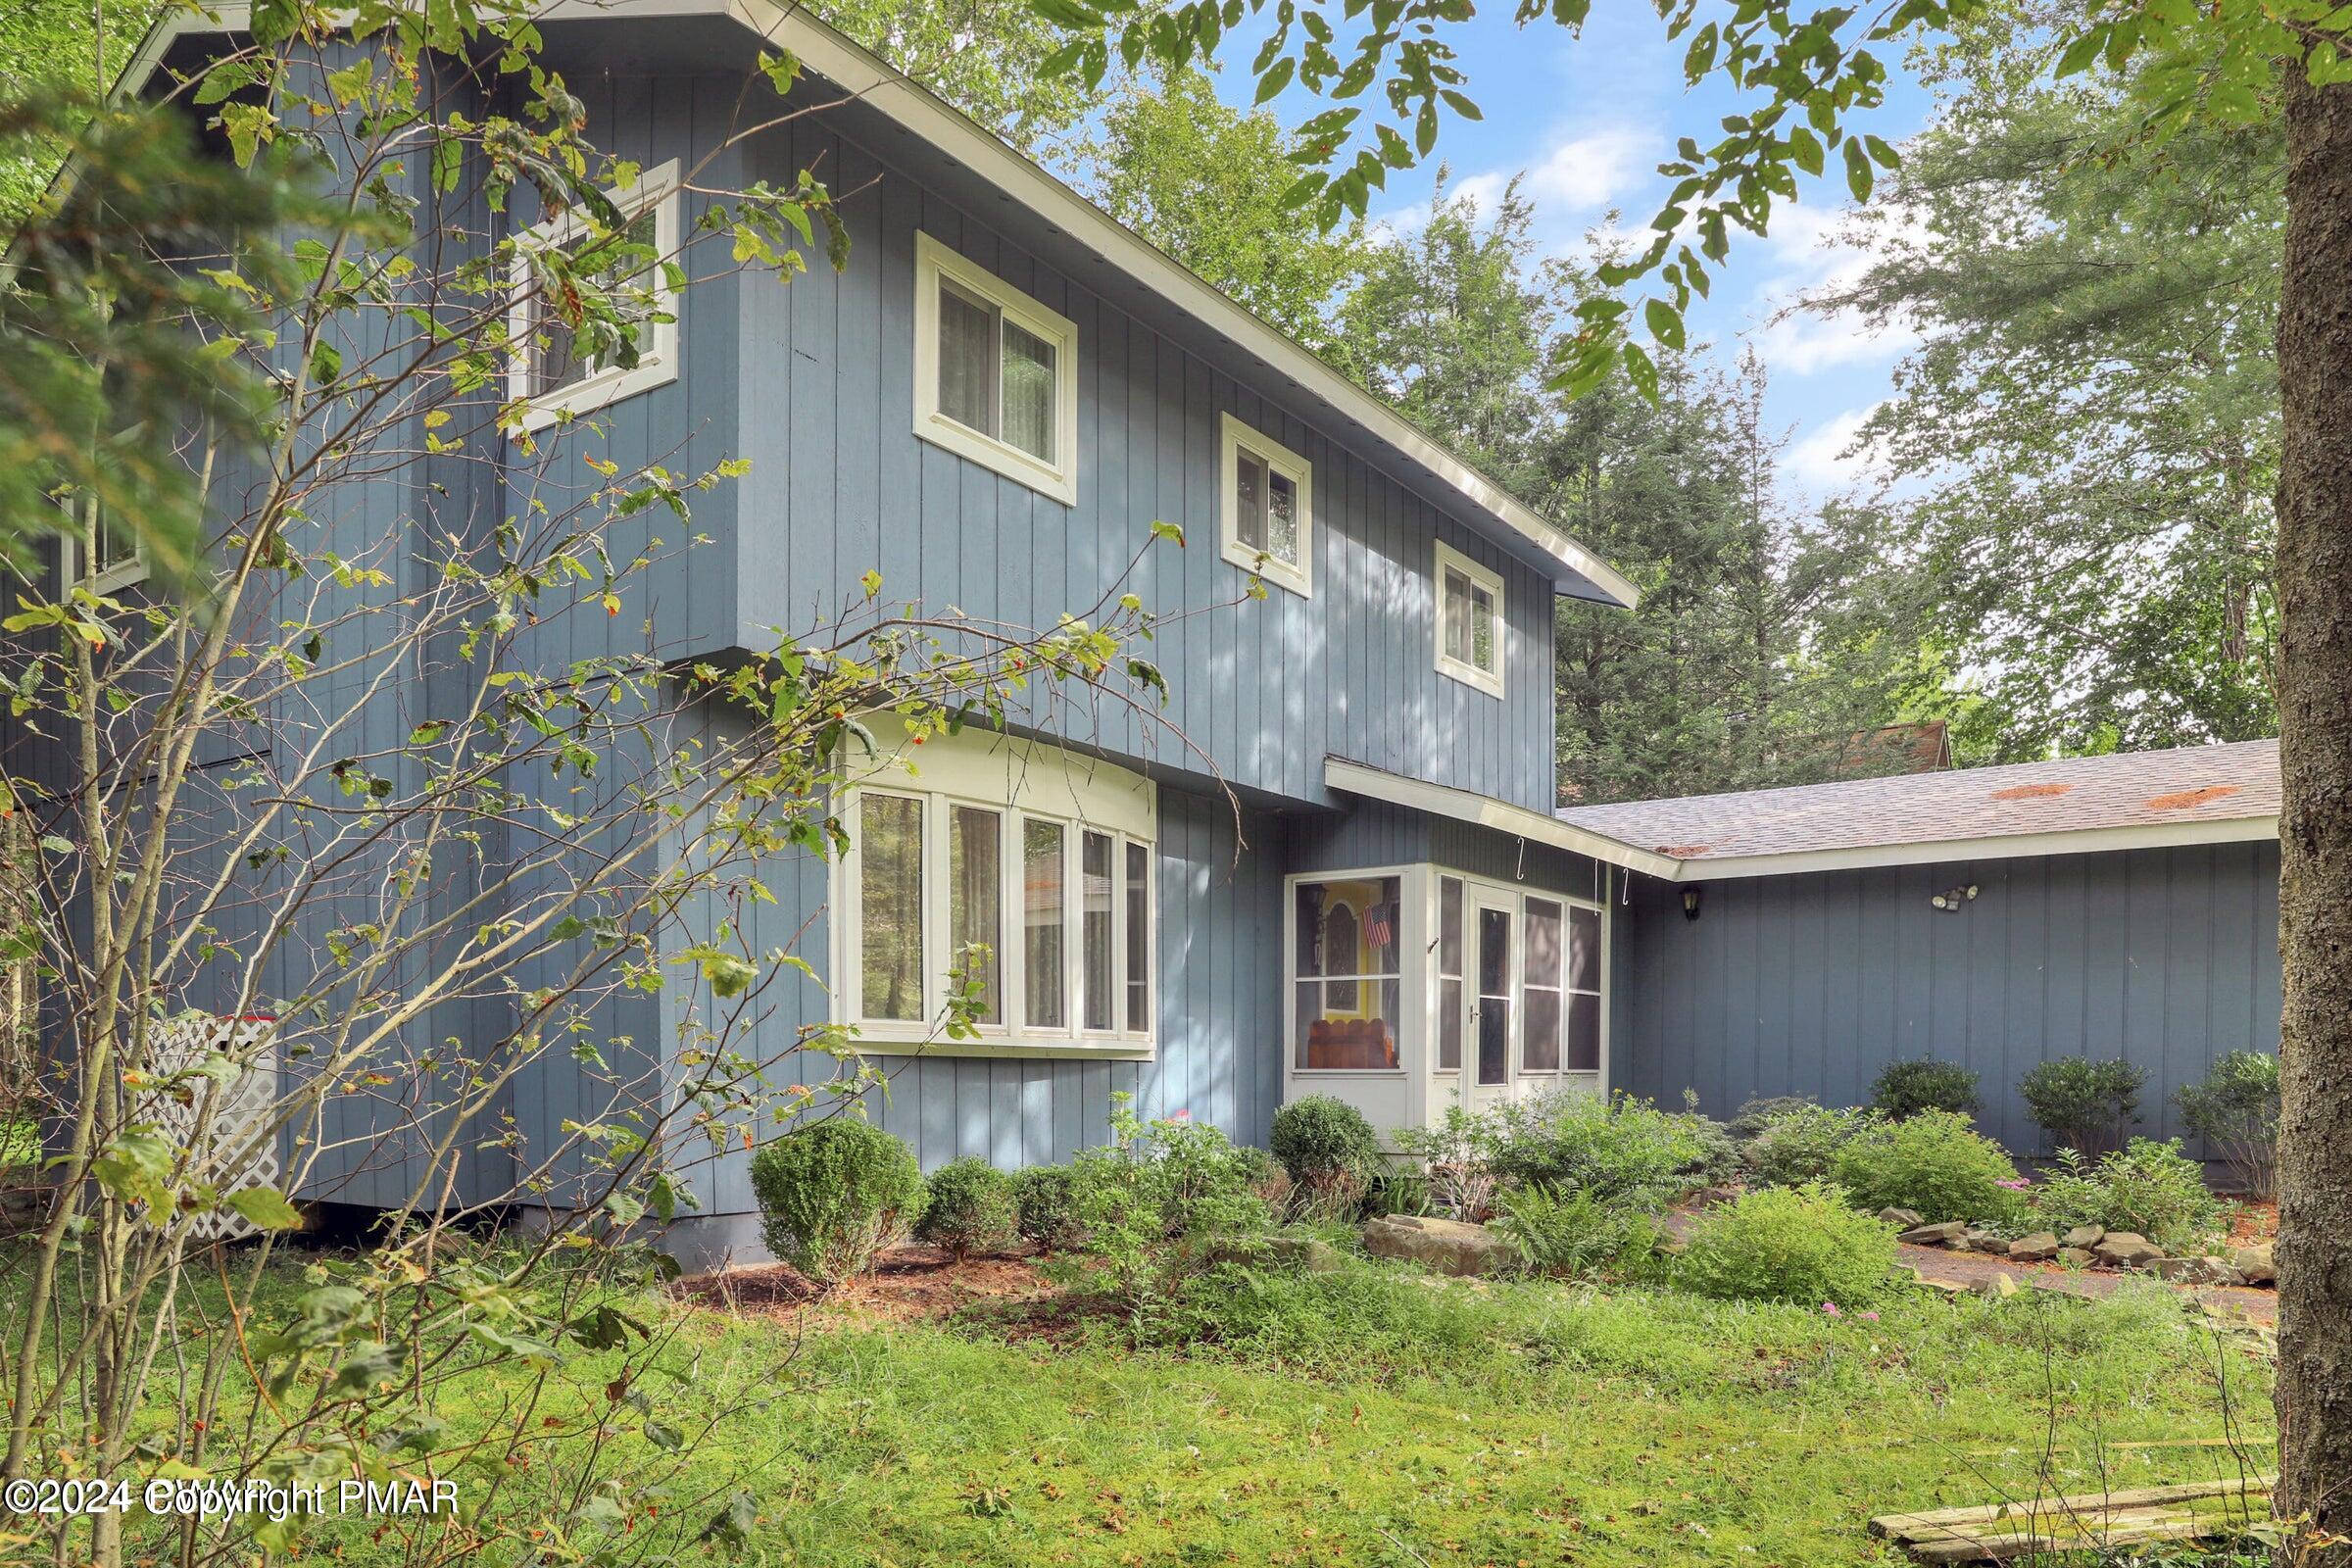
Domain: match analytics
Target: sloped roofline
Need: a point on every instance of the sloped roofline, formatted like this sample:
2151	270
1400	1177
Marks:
841	61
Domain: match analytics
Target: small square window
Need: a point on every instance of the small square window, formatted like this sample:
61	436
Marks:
105	555
1268	508
995	373
556	369
1470	622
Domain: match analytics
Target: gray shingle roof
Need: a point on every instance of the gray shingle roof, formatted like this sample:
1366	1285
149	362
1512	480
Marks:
2082	794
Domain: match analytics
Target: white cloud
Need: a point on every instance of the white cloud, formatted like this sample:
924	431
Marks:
1585	172
1809	252
1824	460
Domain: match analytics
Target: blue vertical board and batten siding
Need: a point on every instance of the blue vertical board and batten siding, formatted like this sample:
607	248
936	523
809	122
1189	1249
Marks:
839	483
1810	984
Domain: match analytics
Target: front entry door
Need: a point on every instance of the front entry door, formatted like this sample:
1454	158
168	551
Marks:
1491	1008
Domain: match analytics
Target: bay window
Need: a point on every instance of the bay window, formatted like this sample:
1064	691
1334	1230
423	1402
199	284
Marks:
994	842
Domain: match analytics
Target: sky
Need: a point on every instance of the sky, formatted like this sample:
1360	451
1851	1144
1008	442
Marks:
1585	120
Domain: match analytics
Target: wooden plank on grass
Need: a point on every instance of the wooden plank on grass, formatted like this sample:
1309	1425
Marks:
2011	1529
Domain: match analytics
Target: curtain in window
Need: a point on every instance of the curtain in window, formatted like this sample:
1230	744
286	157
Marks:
1028	392
967	359
1249	500
976	900
890	888
1095	929
1044	902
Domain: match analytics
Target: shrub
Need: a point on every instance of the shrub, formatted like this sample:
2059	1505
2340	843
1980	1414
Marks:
1789	1243
1045	1199
1615	1148
1935	1163
1157	1204
1800	1144
968	1207
1578	1235
1457	1160
1321	1134
2235	1111
2084	1104
1754	1116
2147	1187
1908	1088
835	1194
1717	1159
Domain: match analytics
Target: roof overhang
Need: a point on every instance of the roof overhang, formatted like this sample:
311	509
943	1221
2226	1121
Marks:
1465	805
1575	571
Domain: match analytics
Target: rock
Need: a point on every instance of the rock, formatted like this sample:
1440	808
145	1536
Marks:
2040	1247
2255	1265
1935	1234
2085	1237
2076	1257
1947	1287
1999	1287
1303	1254
1902	1220
1975	1241
2223	1272
2128	1249
2181	1270
1446	1245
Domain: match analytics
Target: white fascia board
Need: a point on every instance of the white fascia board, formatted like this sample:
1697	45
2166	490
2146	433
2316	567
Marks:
1997	847
1482	811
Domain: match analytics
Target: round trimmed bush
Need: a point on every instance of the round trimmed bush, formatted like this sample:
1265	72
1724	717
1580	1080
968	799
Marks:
835	1194
970	1209
2083	1103
1803	1245
1908	1088
1321	1135
1046	1201
1935	1163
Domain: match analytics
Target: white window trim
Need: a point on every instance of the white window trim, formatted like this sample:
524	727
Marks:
1057	479
1410	980
655	189
115	578
1469	674
1473	886
1233	435
1018	781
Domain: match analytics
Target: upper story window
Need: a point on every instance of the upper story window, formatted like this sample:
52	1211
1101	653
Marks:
558	370
104	555
1017	871
1269	493
1469	621
995	373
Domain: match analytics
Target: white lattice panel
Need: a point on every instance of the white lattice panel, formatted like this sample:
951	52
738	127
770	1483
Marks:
239	1149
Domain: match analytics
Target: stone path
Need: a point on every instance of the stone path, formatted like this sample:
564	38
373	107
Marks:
1973	1268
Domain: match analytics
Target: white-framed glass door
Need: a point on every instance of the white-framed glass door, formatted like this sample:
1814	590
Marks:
1493	1035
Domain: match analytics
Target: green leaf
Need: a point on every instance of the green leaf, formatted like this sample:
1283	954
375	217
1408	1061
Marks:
1806	148
1068	14
2079	54
1859	175
1643	371
266	1207
326	363
1665	323
1460	105
1270	84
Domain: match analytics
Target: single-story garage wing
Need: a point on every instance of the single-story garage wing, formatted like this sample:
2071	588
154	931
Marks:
1801	939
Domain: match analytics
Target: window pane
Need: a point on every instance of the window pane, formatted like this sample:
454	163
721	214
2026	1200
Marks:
1044	903
1360	1033
1347	933
1029	400
1450	1025
976	900
1584	1032
1095	927
1281	519
1543	966
1139	939
1481	630
629	278
1583	949
1449	925
889	895
1453	611
967	384
1494	995
1539	1044
1249	500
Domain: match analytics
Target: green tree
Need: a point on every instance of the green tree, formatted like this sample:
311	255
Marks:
1204	182
2096	404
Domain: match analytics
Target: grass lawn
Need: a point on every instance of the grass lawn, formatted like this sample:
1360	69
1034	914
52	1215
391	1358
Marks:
1374	1418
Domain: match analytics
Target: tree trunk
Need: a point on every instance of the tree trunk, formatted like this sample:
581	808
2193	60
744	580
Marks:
2314	829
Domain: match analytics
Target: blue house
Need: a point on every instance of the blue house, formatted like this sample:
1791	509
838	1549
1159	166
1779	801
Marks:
990	405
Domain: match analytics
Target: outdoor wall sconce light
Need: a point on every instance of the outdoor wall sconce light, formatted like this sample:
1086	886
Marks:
1691	904
1950	898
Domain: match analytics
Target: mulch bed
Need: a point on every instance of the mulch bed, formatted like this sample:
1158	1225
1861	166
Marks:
908	1285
